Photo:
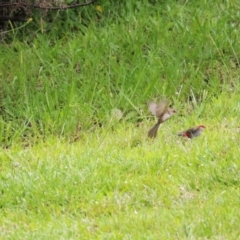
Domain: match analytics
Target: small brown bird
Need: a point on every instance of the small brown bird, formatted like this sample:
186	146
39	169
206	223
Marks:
192	132
162	112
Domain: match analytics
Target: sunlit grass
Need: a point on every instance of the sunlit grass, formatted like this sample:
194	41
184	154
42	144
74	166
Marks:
114	183
117	182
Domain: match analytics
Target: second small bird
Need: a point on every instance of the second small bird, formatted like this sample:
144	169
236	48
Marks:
162	112
192	132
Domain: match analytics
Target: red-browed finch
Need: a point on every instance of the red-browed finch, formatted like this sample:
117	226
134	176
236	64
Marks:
192	132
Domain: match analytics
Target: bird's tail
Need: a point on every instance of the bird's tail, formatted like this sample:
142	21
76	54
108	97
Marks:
181	134
152	133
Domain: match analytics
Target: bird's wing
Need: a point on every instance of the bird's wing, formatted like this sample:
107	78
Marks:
161	108
191	130
188	133
152	108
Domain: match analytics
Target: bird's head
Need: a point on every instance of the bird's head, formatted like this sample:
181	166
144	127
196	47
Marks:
171	111
200	128
168	114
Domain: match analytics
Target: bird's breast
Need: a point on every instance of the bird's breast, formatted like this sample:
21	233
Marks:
165	116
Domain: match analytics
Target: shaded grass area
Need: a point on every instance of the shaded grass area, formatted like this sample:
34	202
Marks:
186	52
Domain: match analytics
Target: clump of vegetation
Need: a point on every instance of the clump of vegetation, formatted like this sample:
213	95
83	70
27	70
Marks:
19	11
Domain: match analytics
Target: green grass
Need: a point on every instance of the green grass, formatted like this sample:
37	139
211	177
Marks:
119	184
71	170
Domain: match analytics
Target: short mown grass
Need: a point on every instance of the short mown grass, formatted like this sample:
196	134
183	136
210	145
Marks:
70	169
119	184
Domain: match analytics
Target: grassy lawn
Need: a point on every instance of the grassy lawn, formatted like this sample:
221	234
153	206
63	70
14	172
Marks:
71	170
